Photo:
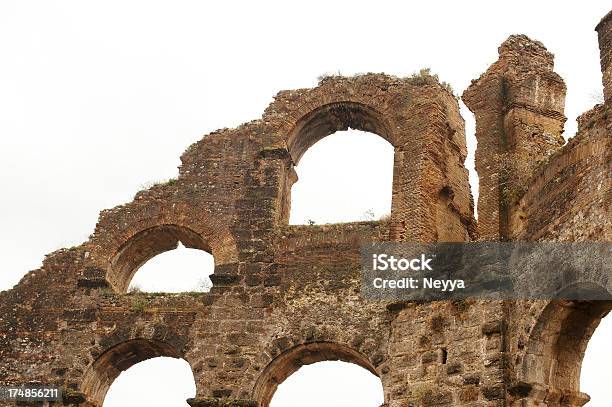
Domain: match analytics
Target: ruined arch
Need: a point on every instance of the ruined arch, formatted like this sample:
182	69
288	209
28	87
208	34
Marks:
332	117
230	187
327	118
106	368
288	362
147	244
556	347
420	120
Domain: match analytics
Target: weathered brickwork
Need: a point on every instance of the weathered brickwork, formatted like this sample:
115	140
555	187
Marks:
604	31
518	105
285	296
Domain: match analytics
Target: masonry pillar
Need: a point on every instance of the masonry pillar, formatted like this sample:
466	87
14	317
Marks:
604	32
518	104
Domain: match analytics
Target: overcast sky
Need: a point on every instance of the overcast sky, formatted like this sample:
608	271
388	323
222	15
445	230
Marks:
98	99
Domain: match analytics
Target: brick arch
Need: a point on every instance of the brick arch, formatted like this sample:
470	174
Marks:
382	97
556	346
319	116
422	123
332	117
289	361
101	374
145	244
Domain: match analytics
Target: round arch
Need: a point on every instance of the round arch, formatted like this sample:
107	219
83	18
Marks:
557	344
145	245
332	117
423	125
288	362
321	118
107	367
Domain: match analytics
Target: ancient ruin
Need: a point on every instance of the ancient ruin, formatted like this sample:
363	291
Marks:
285	296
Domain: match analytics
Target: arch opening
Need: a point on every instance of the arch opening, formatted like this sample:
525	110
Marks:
331	118
156	382
594	378
178	270
107	368
557	346
290	361
363	189
345	177
147	244
330	384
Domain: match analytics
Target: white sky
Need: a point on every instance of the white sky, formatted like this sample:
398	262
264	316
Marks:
100	98
344	177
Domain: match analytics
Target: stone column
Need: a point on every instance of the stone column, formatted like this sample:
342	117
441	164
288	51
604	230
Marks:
518	104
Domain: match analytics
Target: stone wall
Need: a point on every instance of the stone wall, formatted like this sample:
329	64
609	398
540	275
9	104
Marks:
568	198
284	296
